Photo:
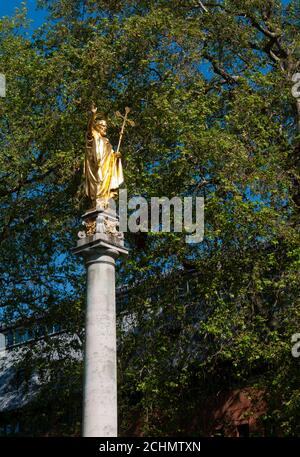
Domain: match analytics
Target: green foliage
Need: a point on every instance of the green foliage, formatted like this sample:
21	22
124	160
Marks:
210	93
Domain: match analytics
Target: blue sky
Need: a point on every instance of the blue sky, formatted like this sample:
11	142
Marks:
7	8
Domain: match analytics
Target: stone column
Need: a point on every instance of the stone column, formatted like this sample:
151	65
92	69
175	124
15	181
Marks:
100	249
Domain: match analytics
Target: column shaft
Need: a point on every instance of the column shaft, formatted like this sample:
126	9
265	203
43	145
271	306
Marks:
100	380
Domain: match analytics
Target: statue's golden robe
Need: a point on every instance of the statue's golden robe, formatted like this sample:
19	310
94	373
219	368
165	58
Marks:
102	168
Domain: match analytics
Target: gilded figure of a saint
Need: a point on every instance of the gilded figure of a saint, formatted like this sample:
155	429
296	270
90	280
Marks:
102	166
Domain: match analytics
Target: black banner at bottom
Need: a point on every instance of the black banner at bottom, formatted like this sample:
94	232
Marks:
145	446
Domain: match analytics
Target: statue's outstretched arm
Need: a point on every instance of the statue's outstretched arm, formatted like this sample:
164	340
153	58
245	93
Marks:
91	120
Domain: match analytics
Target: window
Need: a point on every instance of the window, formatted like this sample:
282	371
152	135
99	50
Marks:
9	339
22	335
53	328
56	328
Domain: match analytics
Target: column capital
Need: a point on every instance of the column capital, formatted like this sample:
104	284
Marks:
96	245
101	235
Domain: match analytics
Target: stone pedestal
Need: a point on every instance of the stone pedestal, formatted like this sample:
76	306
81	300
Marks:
100	244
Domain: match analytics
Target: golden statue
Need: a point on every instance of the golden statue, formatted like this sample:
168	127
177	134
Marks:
102	166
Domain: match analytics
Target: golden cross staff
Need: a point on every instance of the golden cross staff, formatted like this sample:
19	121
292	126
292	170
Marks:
125	119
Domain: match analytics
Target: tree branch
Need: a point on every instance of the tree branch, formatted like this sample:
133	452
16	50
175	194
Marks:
219	70
202	6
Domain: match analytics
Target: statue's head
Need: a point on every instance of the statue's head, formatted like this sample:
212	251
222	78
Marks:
101	126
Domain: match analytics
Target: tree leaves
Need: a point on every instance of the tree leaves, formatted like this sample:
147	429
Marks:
214	117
